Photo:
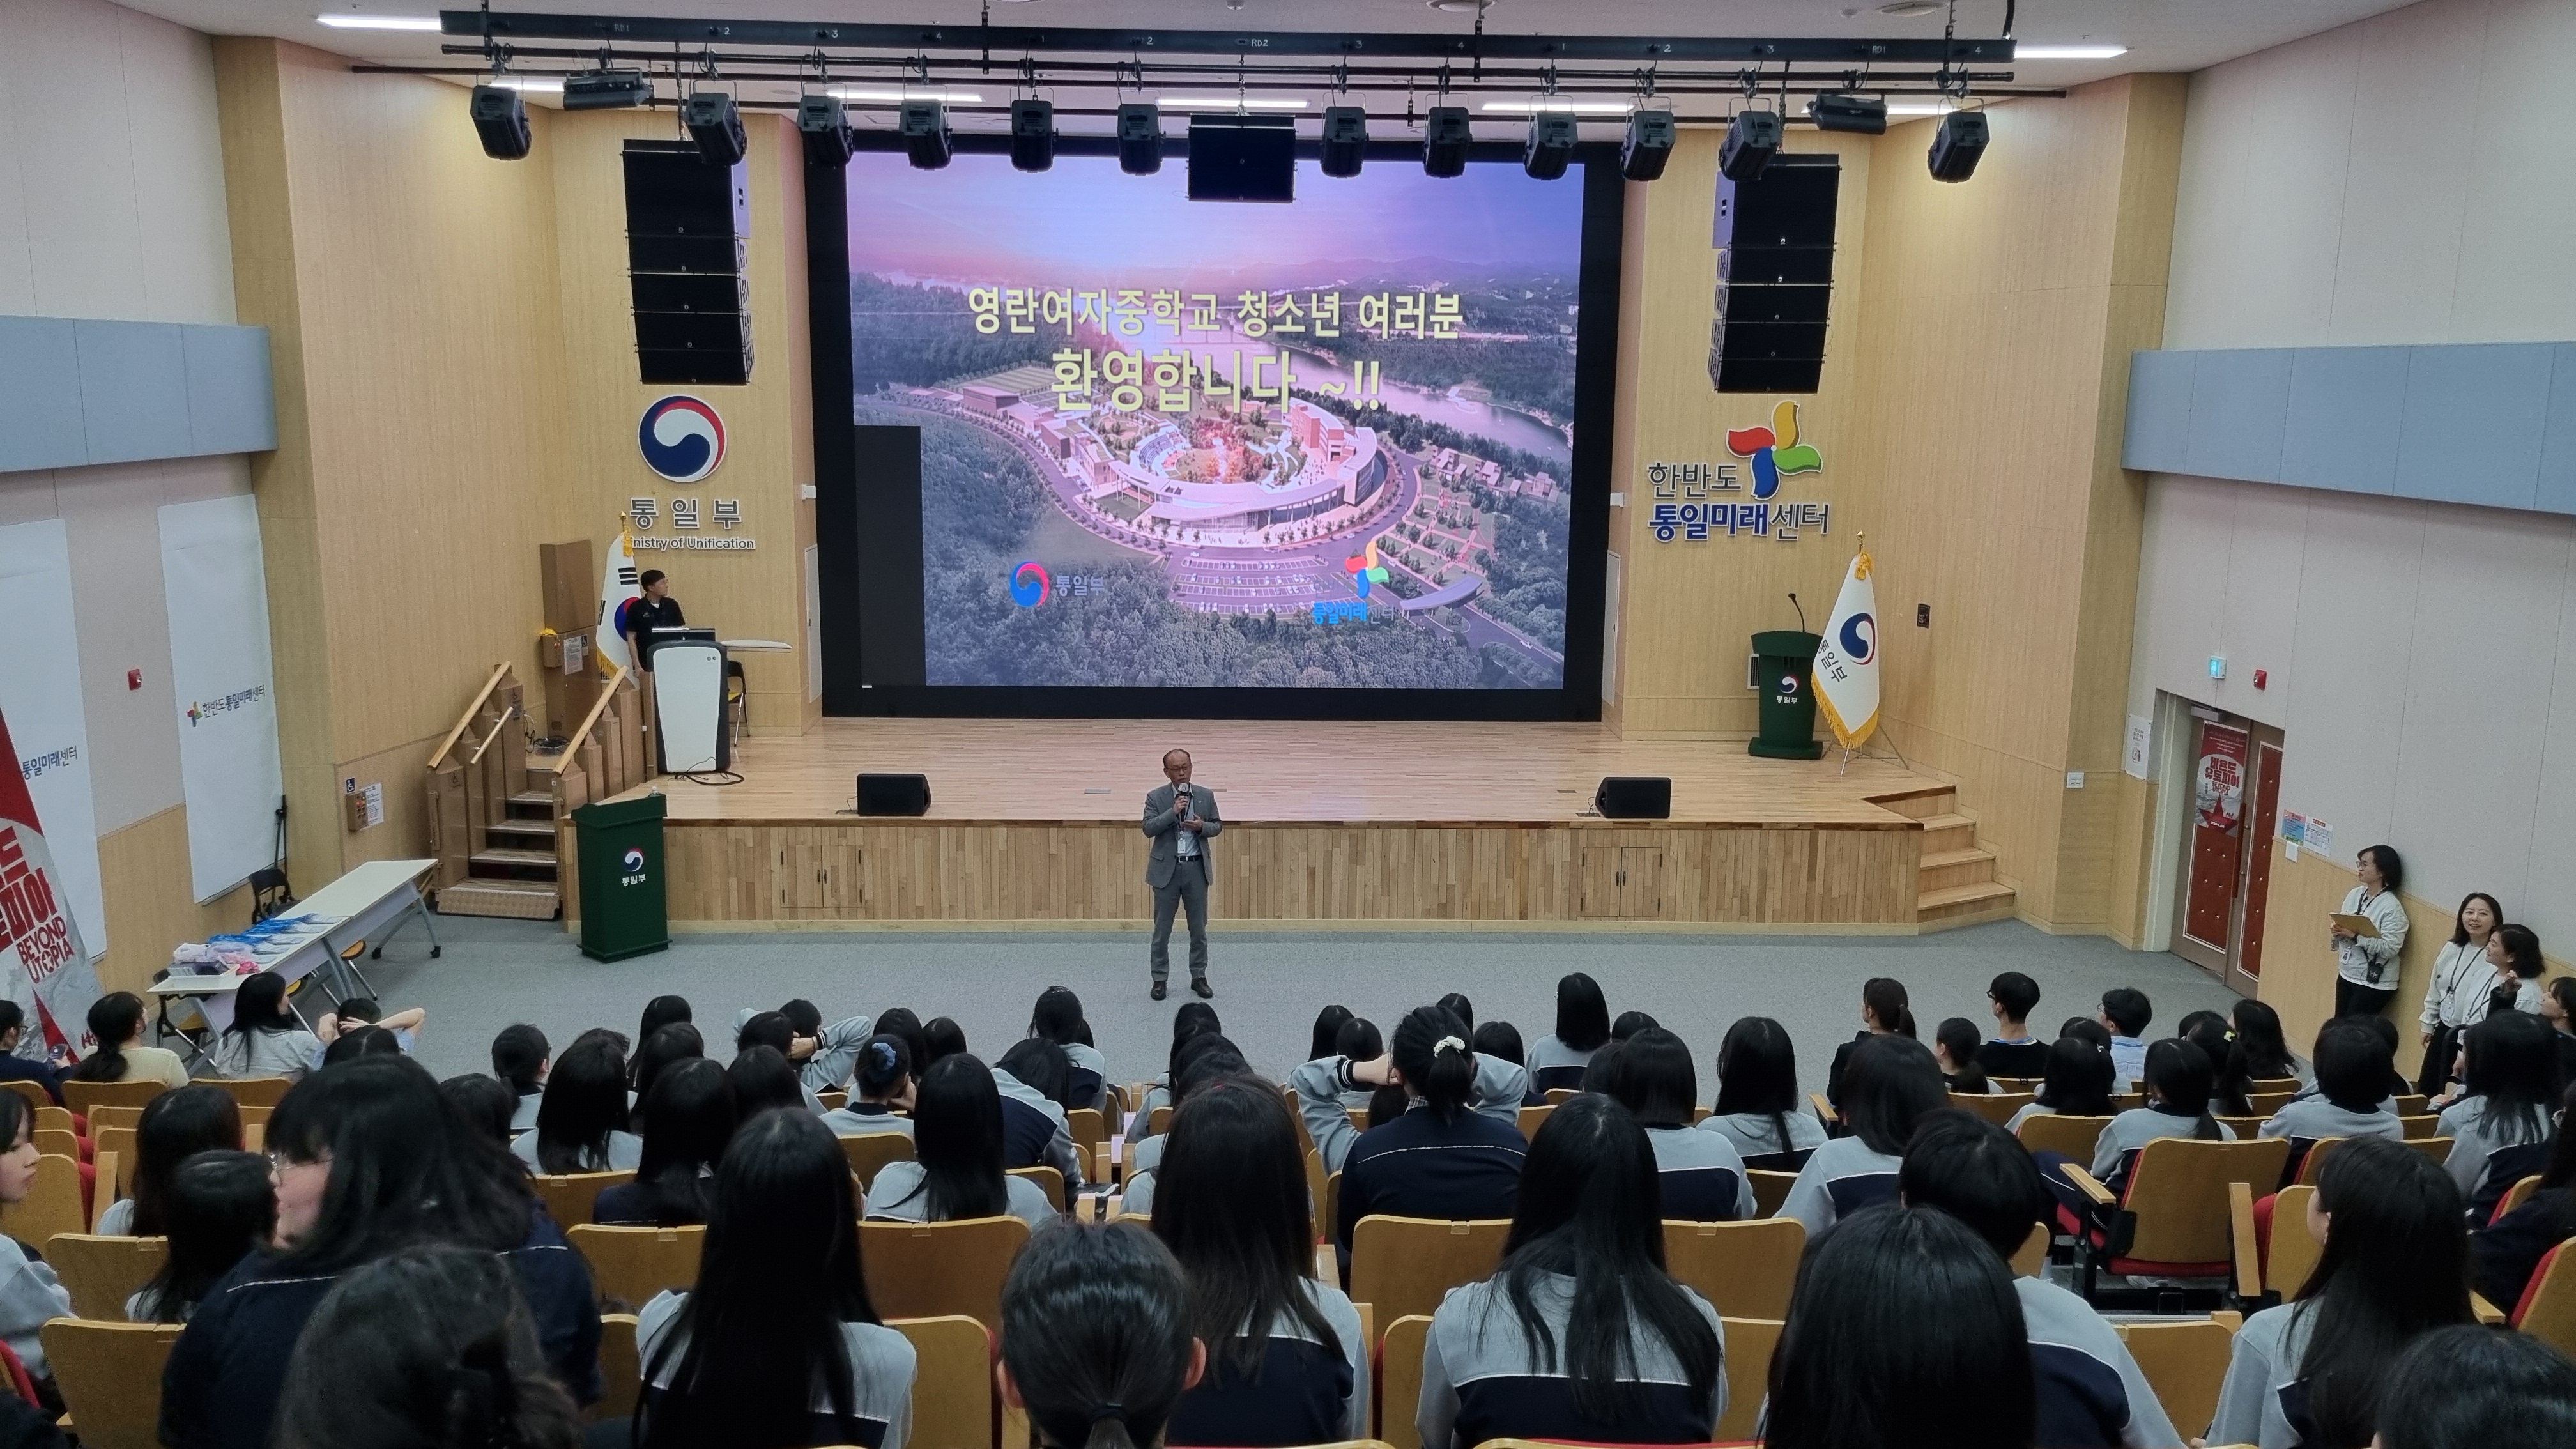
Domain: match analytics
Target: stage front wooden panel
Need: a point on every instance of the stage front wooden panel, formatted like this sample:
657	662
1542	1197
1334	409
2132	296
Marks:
1754	844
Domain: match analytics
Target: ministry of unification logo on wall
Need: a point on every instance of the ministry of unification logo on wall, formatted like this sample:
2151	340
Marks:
682	438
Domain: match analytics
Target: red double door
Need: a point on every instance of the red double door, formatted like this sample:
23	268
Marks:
2227	867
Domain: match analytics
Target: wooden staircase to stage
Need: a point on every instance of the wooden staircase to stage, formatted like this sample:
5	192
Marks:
1958	875
496	798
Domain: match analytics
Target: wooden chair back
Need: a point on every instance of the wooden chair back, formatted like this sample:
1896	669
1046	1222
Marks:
2411	1104
2436	1150
57	1142
2129	1101
110	1377
2072	1136
1315	1194
630	1265
253	1091
2420	1125
1158	1121
56	1119
119	1140
2313	1163
2264	1104
1556	1096
1399	1376
107	1167
2241	1126
101	1272
2548	1308
108	1115
81	1097
2184	1363
1770	1189
1087	1129
1533	1118
1749	1344
1405	1266
932	1270
53	1204
832	1098
37	1100
2274	1084
256	1116
2031	1259
1048	1179
1359	1118
2019	1084
2178	1192
1328	1216
621	1368
1744	1270
569	1198
2292	1252
953	1402
1297	1114
869	1152
1995	1107
2516	1195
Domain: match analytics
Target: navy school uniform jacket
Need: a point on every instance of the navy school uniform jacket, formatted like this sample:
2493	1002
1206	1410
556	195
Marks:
225	1374
1701	1174
1482	1377
1843	1177
1035	1132
1307	1392
2090	1391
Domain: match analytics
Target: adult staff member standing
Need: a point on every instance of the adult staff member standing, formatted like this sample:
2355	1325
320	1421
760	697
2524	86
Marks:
2366	966
655	610
1181	818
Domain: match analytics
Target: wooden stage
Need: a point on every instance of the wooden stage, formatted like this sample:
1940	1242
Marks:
1034	823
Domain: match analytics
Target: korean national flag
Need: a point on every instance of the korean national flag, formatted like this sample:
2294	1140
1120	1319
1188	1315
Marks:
617	589
1847	664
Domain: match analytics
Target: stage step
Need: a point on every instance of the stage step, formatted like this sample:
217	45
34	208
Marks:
544	829
1948	832
509	858
1943	869
1963	905
515	900
1920	803
537	798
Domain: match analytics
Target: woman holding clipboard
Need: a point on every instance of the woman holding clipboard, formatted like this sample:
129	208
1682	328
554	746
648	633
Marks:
2368	933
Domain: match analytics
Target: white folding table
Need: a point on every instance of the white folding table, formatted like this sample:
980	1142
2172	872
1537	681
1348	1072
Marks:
376	896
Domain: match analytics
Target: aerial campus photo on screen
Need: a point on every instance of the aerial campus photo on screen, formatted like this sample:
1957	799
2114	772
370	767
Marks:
1165	443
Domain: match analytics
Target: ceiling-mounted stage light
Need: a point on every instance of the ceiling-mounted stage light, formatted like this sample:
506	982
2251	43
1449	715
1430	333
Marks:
1032	135
826	129
1751	138
1345	140
1552	135
1957	143
1446	134
715	123
1649	144
1841	111
924	128
1140	138
606	90
501	119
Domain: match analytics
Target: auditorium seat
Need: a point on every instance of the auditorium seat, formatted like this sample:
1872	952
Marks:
2070	1136
253	1091
2187	1212
1406	1266
930	1270
110	1378
54	1204
869	1152
1048	1179
103	1117
1744	1270
2548	1308
1770	1189
56	1142
1994	1107
629	1265
2185	1363
104	1175
2290	1251
1531	1119
81	1097
953	1402
1316	1202
2420	1125
118	1141
2515	1196
37	1099
1398	1376
1749	1343
621	1368
569	1197
101	1272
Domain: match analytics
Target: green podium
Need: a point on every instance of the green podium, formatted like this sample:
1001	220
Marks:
1783	659
623	910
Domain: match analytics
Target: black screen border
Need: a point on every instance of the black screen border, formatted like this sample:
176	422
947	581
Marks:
867	504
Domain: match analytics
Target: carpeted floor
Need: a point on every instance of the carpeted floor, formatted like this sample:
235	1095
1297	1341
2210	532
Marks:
1269	984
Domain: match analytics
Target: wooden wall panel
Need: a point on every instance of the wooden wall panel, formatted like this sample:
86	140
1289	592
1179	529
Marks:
143	871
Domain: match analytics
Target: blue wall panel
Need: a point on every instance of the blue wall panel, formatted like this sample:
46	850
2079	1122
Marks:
85	392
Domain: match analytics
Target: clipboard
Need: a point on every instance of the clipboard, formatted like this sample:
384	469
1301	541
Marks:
2358	927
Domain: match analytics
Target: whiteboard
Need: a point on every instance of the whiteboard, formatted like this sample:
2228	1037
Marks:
216	583
40	695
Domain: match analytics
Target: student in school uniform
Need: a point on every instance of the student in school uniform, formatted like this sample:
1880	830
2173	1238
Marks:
1581	1335
822	1054
956	1170
174	1127
670	1043
2125	1013
2074	1082
1456	1151
2179	1079
1058	1018
2500	1131
2352	1072
266	1038
2091	1393
1033	1078
1954	1051
2472	1385
2457	996
1758	1106
521	1059
1188	1020
1889	1086
30	1294
116	1024
1884	1011
581	1125
1582	1028
1287	1357
2507	1251
47	1074
1096	1345
689	1122
1701	1173
773	1029
1209	1059
2013	1052
881	1090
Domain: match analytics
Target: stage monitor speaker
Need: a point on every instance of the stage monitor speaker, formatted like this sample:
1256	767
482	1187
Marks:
685	224
894	794
1775	239
1243	158
1635	797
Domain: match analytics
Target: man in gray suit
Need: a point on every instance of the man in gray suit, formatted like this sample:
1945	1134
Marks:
1181	819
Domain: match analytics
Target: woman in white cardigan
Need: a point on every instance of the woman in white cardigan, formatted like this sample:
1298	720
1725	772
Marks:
2456	999
2366	966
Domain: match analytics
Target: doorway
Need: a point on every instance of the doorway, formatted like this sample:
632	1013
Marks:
2226	876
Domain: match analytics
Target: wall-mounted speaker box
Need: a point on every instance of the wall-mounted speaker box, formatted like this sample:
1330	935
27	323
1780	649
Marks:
1635	797
1243	158
1775	268
685	224
894	794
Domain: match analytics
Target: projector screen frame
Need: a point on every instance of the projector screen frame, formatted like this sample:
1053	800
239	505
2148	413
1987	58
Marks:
867	505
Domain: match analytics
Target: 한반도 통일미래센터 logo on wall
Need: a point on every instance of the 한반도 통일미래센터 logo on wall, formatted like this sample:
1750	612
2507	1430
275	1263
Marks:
681	438
1774	450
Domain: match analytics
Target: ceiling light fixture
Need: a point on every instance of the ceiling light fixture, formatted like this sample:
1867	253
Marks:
1230	103
1908	9
1557	103
2068	52
882	96
379	22
1920	108
539	85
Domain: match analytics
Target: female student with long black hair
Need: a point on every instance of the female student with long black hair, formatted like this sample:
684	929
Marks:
30	1294
1455	1152
368	1158
1954	1050
1035	1079
2457	997
2179	1079
1208	1059
116	1024
1884	1011
2310	1372
2558	1008
2500	1131
2506	1252
1096	1342
1758	1107
956	1171
777	1344
677	1042
2475	1385
2075	1083
1581	1335
2352	1077
1701	1173
1328	1029
1231	1205
174	1127
1582	1028
266	1038
1058	1018
1188	1020
222	1207
690	1119
581	1124
881	1090
1890	1083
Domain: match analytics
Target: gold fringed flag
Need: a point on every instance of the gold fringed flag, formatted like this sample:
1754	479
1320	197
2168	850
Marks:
1847	664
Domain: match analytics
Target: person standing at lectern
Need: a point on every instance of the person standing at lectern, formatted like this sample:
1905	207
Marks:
655	610
1181	819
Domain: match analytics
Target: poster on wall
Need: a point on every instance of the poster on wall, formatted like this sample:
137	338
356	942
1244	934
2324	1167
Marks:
43	965
216	582
40	694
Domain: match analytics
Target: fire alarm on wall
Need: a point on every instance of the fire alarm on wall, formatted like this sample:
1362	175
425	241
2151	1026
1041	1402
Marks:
2262	677
134	679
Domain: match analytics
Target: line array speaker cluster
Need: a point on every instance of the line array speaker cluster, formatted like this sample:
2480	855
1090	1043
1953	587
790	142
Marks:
1775	276
685	225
